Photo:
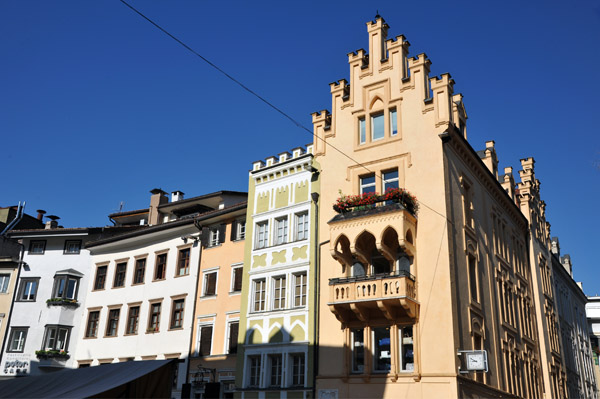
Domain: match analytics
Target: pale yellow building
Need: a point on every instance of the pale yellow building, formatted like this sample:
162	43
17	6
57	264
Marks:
413	299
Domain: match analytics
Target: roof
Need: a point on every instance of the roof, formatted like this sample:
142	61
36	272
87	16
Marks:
128	213
151	377
107	230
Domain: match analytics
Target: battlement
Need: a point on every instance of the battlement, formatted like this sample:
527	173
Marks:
282	157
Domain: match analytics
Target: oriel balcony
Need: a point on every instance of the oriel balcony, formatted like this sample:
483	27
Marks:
374	245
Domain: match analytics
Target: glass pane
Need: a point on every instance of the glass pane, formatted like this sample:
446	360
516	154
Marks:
381	348
393	122
390	180
377	127
71	286
50	338
407	355
358	351
62	339
362	131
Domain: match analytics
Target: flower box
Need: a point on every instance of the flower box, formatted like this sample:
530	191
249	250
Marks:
62	302
52	354
350	203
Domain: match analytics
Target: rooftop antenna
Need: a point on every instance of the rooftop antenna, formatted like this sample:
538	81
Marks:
121	206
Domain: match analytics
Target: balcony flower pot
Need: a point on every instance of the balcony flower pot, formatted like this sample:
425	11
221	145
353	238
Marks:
352	203
52	354
62	302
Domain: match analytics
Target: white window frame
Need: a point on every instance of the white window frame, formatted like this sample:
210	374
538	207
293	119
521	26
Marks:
199	337
67	278
373	116
4	282
401	347
72	247
301	226
392	180
259	375
262	234
35	245
269	370
229	323
282	292
281	230
254	292
362	130
393	115
235	267
57	329
205	275
363	186
296	276
290	367
31	297
21	339
240	229
213	236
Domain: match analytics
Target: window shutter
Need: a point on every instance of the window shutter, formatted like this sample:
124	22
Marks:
222	229
205	236
234	228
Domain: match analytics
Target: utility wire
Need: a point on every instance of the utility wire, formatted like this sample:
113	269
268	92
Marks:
294	121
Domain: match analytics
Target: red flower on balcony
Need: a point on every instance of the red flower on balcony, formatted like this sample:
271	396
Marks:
347	203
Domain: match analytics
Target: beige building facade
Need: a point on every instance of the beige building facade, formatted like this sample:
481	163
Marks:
410	298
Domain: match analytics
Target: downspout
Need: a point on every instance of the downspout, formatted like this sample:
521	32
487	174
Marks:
317	271
16	220
14	297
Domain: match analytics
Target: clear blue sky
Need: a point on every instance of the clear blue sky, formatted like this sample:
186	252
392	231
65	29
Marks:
99	107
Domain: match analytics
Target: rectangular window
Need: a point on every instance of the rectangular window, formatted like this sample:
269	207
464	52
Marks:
91	330
393	122
367	184
407	356
213	240
301	226
259	295
210	284
205	340
472	265
160	269
133	319
37	247
279	292
183	263
298	369
56	338
72	247
358	350
281	230
100	277
120	272
113	322
4	280
254	364
262	234
382	359
362	131
28	289
65	286
276	364
300	289
154	319
390	180
16	342
140	271
240	230
377	127
234	327
237	274
177	313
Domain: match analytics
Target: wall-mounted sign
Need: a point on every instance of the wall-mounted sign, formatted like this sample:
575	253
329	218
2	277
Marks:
16	364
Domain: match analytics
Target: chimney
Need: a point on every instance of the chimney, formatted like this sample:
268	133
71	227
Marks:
40	214
177	196
566	262
52	223
158	198
555	246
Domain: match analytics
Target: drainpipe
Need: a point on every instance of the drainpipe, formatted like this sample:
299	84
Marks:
14	297
16	220
315	198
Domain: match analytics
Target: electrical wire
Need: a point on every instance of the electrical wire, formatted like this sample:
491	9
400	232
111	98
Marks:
280	111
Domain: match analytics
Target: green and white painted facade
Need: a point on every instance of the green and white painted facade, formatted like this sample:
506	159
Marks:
277	321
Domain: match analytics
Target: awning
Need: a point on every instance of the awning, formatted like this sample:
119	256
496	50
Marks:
135	379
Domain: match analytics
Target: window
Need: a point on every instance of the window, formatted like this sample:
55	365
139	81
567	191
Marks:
300	289
113	322
468	204
154	319
393	122
362	131
133	319
407	356
234	327
56	338
177	313
183	263
140	271
259	295
236	277
377	127
28	289
213	240
390	180
367	184
37	247
65	286
276	370
239	230
254	374
210	284
381	349
120	273
302	226
100	277
160	270
205	340
472	265
279	292
72	247
358	350
4	280
262	234
281	230
297	369
91	330
16	342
